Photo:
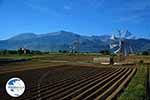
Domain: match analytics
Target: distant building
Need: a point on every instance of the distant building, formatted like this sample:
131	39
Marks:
24	51
102	60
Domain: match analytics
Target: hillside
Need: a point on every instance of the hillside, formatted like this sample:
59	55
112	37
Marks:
63	40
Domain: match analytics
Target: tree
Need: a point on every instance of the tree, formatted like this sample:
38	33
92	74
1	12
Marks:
36	52
65	51
20	51
12	52
105	52
27	51
145	53
3	52
60	51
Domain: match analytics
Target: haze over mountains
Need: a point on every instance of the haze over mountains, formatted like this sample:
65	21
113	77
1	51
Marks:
63	40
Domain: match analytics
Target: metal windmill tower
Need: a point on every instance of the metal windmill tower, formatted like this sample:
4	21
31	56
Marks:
120	45
75	46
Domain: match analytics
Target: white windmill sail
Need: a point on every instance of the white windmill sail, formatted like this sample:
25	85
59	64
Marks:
127	34
113	46
120	44
117	51
113	37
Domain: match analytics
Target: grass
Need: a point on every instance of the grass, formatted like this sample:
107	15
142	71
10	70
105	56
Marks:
136	89
15	56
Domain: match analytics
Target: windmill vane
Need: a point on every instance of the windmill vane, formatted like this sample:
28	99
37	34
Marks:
120	44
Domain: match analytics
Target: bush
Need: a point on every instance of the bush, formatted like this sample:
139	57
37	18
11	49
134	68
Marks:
105	52
145	53
141	62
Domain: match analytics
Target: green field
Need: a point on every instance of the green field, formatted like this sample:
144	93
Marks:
136	89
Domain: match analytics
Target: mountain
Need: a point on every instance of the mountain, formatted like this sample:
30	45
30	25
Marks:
63	40
23	36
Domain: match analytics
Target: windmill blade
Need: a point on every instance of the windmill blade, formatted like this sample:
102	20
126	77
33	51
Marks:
113	37
127	34
113	46
131	49
133	37
118	50
120	33
121	43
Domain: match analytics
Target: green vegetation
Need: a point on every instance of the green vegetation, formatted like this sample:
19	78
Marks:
136	89
145	53
15	56
105	52
20	52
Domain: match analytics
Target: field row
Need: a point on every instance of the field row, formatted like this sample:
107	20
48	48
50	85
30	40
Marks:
78	83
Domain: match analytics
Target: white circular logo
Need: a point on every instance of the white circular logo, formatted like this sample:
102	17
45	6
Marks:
15	87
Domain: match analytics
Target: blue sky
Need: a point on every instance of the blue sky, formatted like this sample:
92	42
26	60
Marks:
86	17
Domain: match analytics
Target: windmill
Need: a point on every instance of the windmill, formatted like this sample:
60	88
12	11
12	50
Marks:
120	45
75	46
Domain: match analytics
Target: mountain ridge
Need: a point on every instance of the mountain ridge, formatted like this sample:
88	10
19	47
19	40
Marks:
63	40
